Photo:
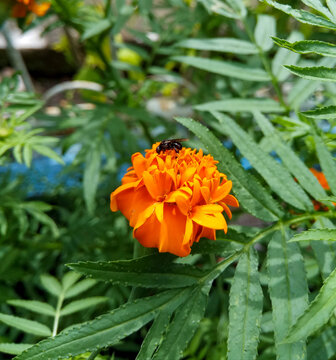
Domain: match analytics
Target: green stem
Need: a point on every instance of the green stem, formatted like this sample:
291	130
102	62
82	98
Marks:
266	64
58	313
94	354
16	59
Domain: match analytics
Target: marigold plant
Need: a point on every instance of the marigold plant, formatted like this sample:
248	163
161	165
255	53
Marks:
21	7
173	199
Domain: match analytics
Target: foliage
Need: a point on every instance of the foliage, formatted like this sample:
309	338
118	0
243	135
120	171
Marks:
260	102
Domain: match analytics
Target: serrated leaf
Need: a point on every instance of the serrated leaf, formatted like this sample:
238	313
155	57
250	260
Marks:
230	45
96	28
308	47
318	312
327	162
183	326
91	177
27	326
324	251
315	234
264	31
51	284
250	193
13	349
242	105
288	291
154	336
303	16
79	288
106	329
285	57
277	177
79	305
292	162
332	7
326	112
33	305
320	73
318	6
246	302
153	271
324	346
226	68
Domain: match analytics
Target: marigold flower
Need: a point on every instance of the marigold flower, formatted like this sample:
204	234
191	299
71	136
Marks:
21	8
173	199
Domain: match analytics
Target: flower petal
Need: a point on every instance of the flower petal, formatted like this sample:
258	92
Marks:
148	234
222	191
231	200
213	221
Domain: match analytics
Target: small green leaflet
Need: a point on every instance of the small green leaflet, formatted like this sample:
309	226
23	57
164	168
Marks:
318	312
264	31
323	347
152	271
229	45
315	234
308	46
326	112
250	193
288	292
320	73
34	305
246	301
303	16
226	68
242	105
13	349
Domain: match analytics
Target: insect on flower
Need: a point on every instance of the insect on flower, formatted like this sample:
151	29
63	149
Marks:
174	198
171	144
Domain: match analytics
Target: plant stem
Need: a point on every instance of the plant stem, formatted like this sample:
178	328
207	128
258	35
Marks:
94	354
16	58
58	313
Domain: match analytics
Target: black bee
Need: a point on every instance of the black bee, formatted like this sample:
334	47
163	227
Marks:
172	144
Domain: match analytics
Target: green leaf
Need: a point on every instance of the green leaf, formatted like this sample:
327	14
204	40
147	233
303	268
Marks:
46	151
318	6
324	346
332	7
292	162
153	271
327	162
303	16
69	279
154	336
288	291
220	8
106	329
320	73
82	304
91	177
274	173
250	193
318	312
304	88
229	45
308	47
96	28
226	68
264	31
183	326
14	349
28	326
324	251
79	288
51	284
285	57
242	105
246	302
315	234
326	112
35	306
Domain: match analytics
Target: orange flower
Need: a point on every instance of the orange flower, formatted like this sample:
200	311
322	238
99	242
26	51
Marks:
173	199
21	8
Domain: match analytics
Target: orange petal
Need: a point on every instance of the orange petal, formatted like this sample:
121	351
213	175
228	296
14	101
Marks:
188	232
226	209
173	232
222	191
159	211
231	200
123	188
143	215
19	10
148	234
205	193
39	9
139	164
183	204
214	221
